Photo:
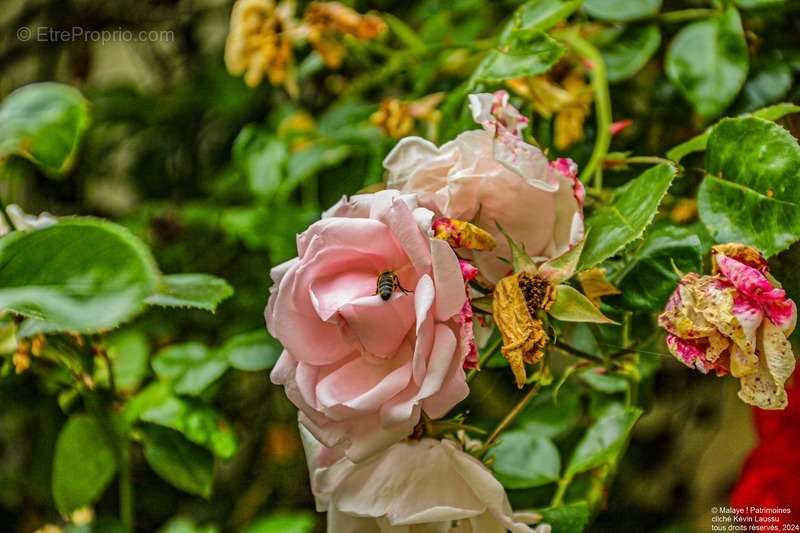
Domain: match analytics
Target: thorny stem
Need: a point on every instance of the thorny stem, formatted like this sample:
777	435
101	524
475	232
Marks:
602	100
512	414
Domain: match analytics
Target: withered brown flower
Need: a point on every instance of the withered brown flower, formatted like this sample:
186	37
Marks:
518	299
260	42
328	21
397	118
568	98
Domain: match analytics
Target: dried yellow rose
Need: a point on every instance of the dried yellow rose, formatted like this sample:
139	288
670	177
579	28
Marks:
517	300
568	99
260	43
327	21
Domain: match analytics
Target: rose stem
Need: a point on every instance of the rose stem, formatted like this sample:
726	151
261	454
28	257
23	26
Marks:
512	414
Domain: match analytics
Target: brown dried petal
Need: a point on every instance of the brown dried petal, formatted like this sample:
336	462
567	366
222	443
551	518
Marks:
764	388
516	300
740	252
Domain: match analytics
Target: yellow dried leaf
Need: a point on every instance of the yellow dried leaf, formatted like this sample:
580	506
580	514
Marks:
595	285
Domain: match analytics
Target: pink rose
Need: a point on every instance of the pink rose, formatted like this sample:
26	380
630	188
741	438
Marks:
492	176
425	486
735	322
361	369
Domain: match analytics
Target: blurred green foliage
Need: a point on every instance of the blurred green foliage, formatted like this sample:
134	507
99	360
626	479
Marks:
170	416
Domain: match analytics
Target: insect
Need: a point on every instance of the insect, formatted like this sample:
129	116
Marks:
388	282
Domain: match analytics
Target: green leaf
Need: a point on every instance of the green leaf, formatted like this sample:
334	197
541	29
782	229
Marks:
708	62
129	352
185	465
309	162
784	268
153	395
261	158
751	193
603	382
200	291
191	367
81	274
83	465
252	352
549	418
284	522
520	260
624	220
523	460
523	53
767	85
630	51
197	422
541	15
604	440
560	269
698	143
44	123
572	306
647	281
621	10
572	518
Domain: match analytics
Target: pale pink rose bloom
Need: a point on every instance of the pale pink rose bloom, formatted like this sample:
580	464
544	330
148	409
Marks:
415	486
492	176
361	369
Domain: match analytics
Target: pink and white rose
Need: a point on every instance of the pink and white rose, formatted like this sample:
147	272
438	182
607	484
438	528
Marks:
419	486
360	369
735	322
492	176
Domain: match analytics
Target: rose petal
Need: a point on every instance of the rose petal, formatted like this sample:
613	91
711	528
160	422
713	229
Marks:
380	326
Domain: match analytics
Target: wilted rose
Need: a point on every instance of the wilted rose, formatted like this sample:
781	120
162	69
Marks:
735	321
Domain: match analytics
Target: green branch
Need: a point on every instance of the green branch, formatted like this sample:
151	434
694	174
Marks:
602	100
